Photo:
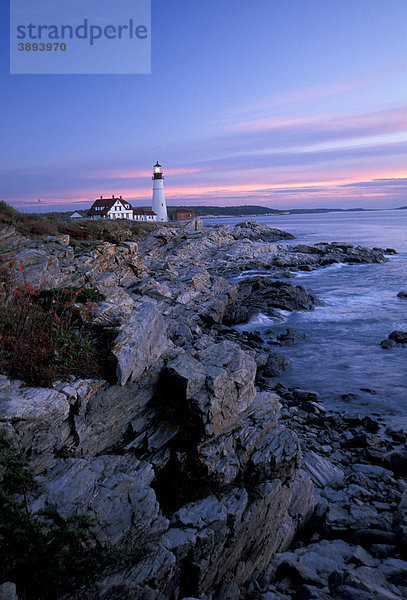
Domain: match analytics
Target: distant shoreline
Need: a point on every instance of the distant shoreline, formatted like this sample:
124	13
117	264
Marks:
244	211
277	213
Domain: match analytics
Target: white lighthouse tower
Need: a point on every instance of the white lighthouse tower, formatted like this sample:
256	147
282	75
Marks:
159	206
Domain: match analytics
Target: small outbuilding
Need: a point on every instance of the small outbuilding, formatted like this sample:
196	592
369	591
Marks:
76	215
181	214
141	214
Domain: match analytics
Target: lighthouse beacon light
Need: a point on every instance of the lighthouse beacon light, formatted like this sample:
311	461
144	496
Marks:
158	204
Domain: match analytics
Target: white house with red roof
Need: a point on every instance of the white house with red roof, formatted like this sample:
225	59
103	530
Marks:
118	208
111	208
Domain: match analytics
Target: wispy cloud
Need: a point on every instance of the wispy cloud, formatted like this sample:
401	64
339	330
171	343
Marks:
312	93
383	121
276	161
140	173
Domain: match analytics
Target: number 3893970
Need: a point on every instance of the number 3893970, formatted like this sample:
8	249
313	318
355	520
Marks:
42	47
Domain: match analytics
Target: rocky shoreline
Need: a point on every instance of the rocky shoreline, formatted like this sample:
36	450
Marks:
358	548
189	451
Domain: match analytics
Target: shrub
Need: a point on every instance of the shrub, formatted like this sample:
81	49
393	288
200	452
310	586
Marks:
69	293
42	337
35	226
26	224
78	233
8	214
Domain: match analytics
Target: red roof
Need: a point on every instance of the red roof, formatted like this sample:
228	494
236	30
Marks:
142	211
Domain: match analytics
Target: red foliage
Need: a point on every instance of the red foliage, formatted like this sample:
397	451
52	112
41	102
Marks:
36	227
40	343
79	233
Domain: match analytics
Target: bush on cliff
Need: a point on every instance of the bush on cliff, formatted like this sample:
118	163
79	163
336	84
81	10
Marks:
44	554
28	225
43	338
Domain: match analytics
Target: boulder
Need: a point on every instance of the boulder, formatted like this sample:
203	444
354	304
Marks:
208	393
400	337
106	417
396	461
346	592
249	449
298	573
290	337
276	365
370	580
322	558
113	489
147	579
261	294
305	395
40	418
37	268
253	230
140	342
8	591
322	471
117	306
231	526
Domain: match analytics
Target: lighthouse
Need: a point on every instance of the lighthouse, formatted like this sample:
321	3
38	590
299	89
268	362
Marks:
159	206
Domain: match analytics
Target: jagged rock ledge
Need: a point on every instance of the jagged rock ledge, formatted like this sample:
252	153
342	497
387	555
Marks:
183	454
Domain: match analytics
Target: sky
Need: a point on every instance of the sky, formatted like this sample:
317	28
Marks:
279	103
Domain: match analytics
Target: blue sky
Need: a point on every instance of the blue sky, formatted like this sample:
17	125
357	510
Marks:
287	103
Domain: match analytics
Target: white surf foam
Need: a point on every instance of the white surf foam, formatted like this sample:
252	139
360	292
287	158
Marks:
253	273
262	320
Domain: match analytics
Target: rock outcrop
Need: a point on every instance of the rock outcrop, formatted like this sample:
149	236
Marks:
140	343
395	339
182	452
260	294
115	490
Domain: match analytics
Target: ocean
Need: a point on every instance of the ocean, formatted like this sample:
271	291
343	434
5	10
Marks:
342	351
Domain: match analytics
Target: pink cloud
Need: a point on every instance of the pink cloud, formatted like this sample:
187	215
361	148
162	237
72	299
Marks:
320	91
298	185
386	121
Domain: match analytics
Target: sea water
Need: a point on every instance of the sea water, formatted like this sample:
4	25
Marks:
342	351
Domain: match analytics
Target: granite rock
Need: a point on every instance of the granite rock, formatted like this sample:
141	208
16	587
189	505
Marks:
140	343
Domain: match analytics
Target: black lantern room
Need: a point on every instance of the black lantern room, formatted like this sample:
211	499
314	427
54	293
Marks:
157	171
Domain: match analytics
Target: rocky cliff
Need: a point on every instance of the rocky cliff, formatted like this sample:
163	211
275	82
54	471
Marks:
180	452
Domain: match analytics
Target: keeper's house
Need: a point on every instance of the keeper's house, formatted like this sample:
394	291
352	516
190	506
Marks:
111	208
